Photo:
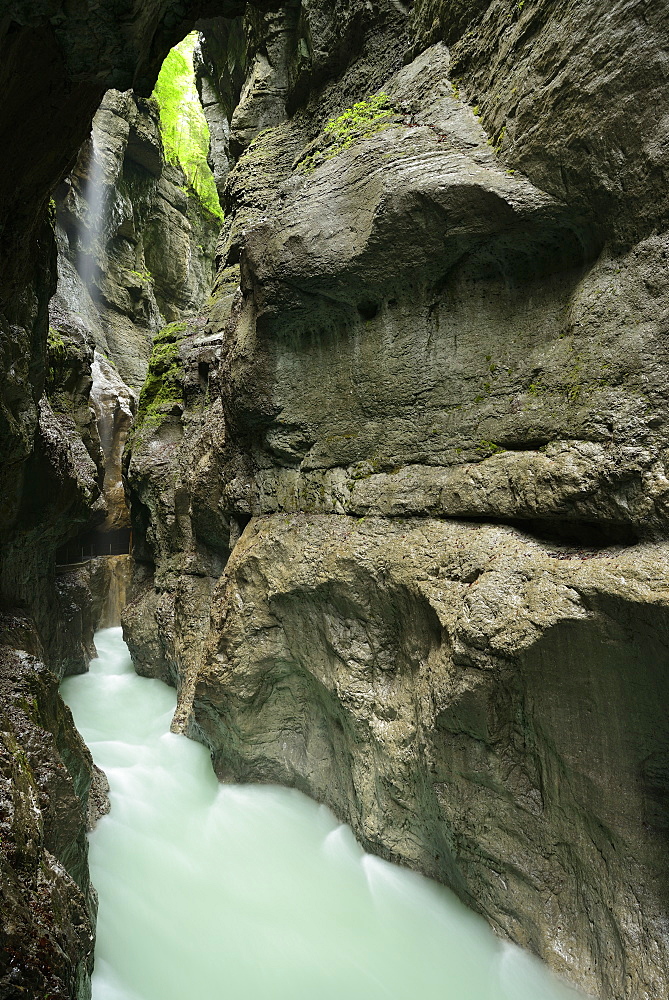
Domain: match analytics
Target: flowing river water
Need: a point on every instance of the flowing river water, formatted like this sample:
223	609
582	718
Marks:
237	892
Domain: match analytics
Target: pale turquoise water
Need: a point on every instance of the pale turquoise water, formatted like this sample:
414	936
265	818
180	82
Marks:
234	892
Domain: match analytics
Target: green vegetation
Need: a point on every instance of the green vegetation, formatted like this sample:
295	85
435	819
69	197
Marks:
59	356
142	275
184	128
488	448
364	119
162	388
55	344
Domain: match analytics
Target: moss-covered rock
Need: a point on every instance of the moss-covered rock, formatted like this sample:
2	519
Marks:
183	126
364	119
47	916
163	390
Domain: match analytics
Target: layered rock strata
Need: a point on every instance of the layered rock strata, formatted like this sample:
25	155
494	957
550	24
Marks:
47	922
438	336
56	66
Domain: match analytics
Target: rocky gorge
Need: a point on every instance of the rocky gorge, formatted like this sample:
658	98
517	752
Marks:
397	470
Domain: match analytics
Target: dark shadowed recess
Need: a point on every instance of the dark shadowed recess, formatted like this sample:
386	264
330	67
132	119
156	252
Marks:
568	533
91	544
600	689
582	714
54	68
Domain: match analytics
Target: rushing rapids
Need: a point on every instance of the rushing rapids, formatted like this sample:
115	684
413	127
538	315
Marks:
210	890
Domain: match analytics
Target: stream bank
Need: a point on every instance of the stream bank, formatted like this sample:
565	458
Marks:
248	891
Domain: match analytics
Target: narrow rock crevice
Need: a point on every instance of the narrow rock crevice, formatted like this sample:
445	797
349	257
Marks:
397	471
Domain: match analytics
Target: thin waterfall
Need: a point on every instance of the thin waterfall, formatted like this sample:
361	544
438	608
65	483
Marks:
118	573
110	398
95	196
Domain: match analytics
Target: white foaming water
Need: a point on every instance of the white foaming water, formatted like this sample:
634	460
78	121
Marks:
234	892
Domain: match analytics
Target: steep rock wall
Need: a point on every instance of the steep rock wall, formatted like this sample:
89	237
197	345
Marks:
458	315
56	63
136	247
480	706
50	792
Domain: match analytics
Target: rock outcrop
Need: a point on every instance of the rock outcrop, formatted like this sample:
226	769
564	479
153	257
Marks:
450	306
47	916
478	705
114	405
437	332
48	906
55	66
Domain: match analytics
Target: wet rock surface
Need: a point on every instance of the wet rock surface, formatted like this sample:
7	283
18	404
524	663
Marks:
55	67
48	907
135	245
442	433
114	405
460	314
478	705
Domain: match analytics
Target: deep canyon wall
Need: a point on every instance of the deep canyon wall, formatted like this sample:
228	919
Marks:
399	495
66	330
439	420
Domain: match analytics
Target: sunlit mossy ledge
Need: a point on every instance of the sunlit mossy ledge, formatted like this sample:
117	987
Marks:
183	126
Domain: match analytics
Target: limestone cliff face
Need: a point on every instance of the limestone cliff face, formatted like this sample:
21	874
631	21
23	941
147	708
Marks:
135	247
48	906
47	921
114	406
56	65
458	315
434	402
135	251
483	707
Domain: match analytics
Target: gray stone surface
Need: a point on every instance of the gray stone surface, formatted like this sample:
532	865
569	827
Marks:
146	258
575	96
478	705
441	322
411	330
48	906
114	406
56	62
423	331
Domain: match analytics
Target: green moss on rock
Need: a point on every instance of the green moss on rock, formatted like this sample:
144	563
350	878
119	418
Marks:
68	359
361	121
163	386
